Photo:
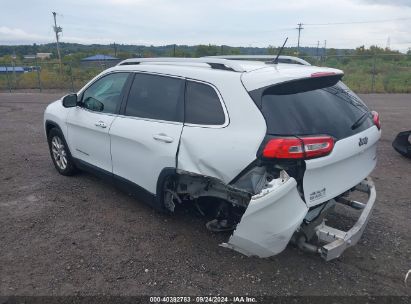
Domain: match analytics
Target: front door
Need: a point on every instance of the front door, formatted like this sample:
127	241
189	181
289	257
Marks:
89	123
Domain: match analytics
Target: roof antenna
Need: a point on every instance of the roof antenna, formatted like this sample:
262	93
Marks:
279	52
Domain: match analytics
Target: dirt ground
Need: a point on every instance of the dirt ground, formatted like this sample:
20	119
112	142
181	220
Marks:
82	236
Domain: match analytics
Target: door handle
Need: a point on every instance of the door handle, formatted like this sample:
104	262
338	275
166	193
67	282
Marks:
101	124
163	137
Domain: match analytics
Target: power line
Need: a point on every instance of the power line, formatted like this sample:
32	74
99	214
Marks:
356	22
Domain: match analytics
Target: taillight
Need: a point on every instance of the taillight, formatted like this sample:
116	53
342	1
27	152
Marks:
376	119
283	148
298	148
317	146
322	74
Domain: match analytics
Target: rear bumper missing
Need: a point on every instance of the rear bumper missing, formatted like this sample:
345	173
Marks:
337	241
275	215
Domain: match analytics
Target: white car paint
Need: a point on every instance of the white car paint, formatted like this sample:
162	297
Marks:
224	151
329	176
259	78
138	149
141	148
56	113
88	136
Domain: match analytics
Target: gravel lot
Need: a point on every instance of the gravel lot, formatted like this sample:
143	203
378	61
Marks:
81	235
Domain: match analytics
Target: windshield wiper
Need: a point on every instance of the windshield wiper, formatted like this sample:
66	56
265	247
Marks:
346	96
360	120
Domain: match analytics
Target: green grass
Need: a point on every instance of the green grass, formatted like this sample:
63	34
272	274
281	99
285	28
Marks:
392	74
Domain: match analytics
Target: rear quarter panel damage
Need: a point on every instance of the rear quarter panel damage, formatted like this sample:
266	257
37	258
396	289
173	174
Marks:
224	151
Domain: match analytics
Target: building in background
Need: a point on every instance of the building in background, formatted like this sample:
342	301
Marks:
29	57
11	69
100	60
44	55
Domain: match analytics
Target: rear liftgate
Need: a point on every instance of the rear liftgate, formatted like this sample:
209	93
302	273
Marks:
278	213
293	206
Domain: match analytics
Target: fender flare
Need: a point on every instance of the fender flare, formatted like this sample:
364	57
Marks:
49	124
158	199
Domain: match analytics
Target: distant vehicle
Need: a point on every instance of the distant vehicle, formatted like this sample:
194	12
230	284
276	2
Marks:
276	145
402	143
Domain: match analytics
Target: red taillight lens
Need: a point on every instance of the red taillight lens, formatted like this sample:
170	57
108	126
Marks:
283	148
298	148
322	74
376	119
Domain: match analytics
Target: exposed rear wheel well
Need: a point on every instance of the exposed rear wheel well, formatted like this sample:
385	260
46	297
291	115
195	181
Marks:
175	186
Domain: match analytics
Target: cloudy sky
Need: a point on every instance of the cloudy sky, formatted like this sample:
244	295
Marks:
343	23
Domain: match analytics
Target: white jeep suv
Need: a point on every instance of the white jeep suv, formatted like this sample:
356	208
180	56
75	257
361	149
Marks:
272	147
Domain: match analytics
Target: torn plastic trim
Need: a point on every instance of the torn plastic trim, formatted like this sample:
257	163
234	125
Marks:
270	219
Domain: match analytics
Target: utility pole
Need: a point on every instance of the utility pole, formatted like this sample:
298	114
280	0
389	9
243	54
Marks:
115	49
373	74
387	47
325	48
57	30
299	28
318	45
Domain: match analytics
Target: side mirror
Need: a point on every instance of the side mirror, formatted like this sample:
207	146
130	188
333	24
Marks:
70	100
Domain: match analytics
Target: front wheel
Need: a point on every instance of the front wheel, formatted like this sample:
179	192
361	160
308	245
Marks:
60	154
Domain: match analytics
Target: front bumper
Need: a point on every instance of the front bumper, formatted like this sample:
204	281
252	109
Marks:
336	241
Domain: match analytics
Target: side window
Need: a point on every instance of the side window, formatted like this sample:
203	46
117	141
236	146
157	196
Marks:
203	106
156	97
104	95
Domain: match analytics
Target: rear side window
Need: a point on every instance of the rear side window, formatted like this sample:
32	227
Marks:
332	110
203	106
156	97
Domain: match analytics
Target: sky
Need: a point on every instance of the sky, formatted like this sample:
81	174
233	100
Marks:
260	23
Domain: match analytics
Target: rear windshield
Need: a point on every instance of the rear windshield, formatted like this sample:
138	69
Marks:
332	110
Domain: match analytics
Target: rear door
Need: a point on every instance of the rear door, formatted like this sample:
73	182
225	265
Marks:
145	138
293	110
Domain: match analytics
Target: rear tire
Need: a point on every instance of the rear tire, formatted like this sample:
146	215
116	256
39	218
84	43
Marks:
60	153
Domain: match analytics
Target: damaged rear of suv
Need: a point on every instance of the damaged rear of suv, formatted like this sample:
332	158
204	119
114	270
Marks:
319	147
274	147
